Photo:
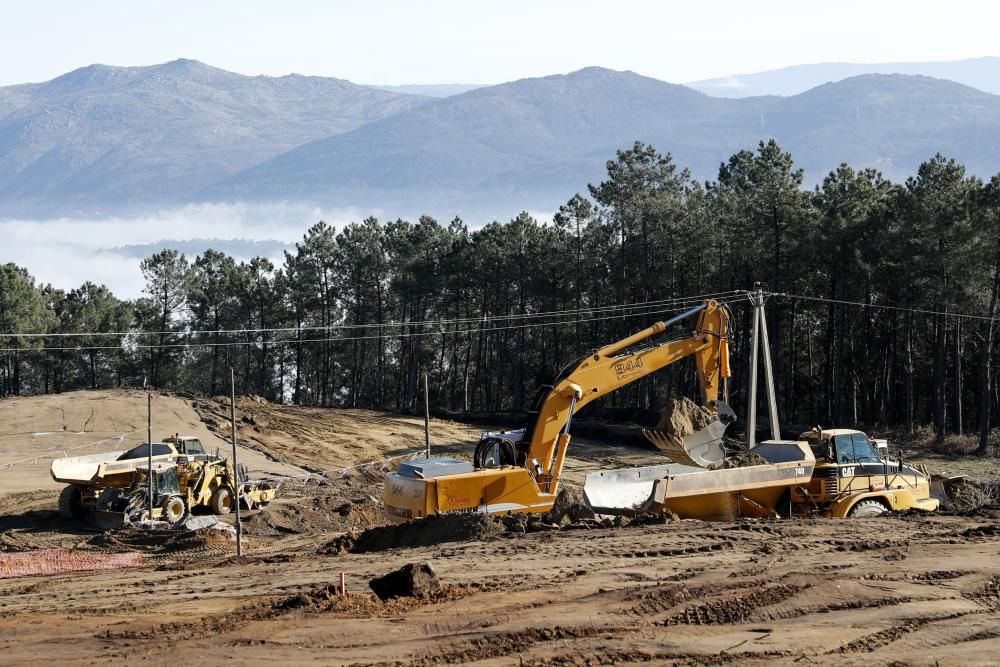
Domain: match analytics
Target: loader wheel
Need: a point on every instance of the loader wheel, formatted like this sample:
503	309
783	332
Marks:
173	509
222	500
867	508
71	503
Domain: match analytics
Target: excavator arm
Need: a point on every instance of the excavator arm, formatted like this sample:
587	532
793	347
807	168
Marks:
616	365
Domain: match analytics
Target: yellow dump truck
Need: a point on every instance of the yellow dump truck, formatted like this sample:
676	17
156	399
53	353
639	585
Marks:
202	480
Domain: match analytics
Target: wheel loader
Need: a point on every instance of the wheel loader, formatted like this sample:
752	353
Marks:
179	488
518	471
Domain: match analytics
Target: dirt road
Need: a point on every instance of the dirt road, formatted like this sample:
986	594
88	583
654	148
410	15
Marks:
909	589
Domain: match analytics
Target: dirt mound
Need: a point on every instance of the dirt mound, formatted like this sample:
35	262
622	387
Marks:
350	503
423	533
965	496
744	460
682	417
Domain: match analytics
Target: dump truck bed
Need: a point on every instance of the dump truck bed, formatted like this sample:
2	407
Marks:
81	470
697	493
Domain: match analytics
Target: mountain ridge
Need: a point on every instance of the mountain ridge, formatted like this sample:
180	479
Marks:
536	141
115	139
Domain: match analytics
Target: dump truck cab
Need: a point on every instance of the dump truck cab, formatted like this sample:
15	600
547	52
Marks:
854	476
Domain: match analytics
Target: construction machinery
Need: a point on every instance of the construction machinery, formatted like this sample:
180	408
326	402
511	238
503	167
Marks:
86	476
179	488
119	506
203	480
855	476
518	471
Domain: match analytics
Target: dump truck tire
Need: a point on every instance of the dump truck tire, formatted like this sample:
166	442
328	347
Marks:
173	510
867	508
222	501
71	503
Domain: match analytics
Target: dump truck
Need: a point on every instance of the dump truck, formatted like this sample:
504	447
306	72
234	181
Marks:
86	476
204	480
518	471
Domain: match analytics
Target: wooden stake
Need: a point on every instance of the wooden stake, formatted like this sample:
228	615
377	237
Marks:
236	469
427	419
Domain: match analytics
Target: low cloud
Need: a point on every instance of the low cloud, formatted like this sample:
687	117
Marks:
66	252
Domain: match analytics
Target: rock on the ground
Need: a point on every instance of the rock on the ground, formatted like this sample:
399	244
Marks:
569	504
152	524
191	522
411	580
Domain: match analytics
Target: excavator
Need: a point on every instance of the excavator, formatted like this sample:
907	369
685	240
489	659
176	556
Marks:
831	473
518	471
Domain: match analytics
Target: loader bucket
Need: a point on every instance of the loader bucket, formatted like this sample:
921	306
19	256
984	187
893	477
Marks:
703	448
105	520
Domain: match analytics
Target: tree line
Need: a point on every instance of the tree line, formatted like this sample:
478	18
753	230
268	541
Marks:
357	316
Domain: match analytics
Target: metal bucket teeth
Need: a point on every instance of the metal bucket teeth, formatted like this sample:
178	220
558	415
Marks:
704	449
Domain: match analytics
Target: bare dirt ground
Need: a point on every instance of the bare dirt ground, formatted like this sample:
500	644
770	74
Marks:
907	589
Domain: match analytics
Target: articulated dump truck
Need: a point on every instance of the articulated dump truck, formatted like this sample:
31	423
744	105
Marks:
827	473
110	489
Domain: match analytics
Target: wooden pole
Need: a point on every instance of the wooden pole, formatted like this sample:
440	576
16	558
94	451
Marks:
236	470
427	420
149	449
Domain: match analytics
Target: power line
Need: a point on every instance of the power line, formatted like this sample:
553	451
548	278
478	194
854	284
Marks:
881	306
341	339
680	301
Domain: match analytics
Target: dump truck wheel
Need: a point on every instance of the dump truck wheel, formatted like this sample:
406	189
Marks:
867	508
173	509
71	503
222	500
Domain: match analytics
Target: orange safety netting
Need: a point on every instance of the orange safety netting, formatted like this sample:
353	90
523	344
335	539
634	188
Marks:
56	561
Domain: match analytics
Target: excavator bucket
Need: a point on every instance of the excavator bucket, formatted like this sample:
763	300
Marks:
691	441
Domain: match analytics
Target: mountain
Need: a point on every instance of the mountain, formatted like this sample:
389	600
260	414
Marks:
981	73
111	139
431	89
101	137
533	143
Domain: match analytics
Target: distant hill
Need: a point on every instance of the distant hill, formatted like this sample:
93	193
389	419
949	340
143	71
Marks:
110	139
980	73
431	89
533	143
102	137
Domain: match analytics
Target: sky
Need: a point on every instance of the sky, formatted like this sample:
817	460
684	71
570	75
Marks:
449	41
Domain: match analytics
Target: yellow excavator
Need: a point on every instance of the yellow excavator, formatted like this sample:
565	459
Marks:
518	471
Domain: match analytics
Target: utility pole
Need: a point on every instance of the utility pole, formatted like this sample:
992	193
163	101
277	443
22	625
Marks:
236	469
149	450
427	419
761	342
